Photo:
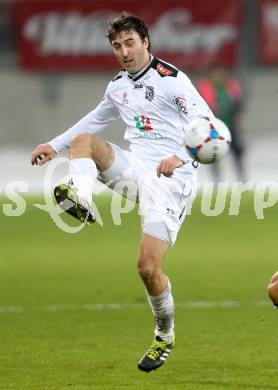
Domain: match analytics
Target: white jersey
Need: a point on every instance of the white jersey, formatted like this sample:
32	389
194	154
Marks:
156	106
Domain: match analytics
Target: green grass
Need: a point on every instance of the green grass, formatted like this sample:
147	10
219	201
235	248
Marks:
51	338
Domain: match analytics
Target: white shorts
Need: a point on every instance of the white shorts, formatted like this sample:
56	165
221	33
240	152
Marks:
163	201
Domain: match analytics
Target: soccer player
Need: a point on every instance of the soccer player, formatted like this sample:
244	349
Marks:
156	101
273	289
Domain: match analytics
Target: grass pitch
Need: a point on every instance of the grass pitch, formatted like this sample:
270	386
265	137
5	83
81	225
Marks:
73	313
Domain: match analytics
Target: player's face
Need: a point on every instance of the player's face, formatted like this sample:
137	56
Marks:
130	51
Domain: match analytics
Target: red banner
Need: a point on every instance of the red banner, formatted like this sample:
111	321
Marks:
71	35
269	31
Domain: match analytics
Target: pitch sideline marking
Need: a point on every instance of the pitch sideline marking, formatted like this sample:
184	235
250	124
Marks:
120	306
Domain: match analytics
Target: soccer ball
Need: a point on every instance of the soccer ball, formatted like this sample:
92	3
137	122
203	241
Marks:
207	140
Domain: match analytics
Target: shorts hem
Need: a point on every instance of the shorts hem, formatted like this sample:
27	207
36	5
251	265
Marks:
158	236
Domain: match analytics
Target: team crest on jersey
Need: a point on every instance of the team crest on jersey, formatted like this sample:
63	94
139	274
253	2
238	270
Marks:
149	94
180	102
166	72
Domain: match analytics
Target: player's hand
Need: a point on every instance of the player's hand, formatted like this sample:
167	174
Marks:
167	166
42	154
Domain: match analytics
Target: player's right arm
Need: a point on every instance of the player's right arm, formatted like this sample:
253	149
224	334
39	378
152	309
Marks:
42	154
92	123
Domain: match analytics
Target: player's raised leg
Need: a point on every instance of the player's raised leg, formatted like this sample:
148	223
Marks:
86	152
273	289
158	289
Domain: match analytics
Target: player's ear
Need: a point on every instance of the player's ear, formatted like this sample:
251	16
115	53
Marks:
146	42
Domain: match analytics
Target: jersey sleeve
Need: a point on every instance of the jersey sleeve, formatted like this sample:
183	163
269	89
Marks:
185	97
181	93
93	122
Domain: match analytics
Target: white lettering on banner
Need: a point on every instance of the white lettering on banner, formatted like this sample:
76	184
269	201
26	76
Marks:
73	33
271	15
174	31
69	33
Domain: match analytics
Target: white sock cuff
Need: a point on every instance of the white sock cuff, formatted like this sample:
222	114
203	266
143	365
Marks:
163	309
162	295
83	172
82	165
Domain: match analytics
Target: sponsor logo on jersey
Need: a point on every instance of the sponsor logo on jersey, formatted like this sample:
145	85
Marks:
166	72
149	94
143	123
124	98
137	86
180	102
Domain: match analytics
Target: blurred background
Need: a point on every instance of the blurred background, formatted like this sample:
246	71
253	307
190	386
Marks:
55	63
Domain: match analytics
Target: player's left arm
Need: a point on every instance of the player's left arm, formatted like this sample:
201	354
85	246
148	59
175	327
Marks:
167	166
180	92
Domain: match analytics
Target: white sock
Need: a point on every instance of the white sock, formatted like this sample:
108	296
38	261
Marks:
163	309
83	172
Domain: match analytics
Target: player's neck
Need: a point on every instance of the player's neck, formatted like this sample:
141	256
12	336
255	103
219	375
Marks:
132	75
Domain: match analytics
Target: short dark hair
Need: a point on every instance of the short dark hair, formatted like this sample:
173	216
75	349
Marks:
128	22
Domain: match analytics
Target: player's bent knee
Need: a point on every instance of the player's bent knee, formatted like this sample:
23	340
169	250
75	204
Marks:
148	276
146	267
273	291
81	139
274	278
81	145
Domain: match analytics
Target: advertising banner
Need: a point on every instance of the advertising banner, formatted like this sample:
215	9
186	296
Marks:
268	47
71	35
